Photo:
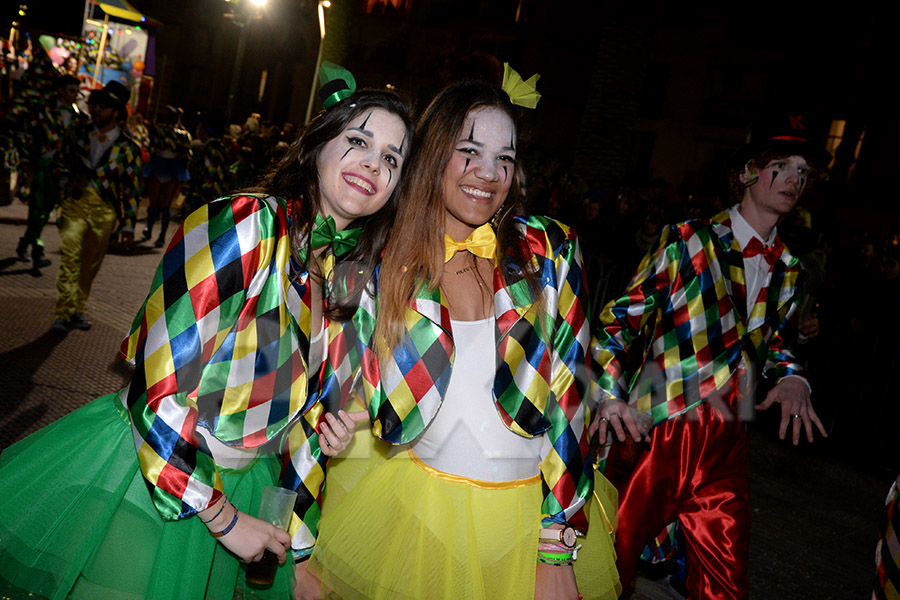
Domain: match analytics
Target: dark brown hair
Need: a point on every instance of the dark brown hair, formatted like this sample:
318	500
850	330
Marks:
760	161
296	178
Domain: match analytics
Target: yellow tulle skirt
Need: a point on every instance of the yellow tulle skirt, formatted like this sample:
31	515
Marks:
392	527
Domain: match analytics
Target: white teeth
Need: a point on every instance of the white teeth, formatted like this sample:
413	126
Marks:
360	182
476	192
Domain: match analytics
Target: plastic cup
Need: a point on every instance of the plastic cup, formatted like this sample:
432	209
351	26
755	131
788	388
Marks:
276	507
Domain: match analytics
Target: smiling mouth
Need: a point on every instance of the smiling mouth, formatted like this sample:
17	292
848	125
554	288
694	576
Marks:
364	185
471	191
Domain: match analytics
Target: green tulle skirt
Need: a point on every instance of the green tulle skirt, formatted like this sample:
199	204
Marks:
76	520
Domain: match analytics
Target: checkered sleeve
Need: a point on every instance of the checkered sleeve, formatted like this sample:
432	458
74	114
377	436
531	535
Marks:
18	130
303	470
183	144
131	183
304	463
206	287
779	359
212	171
566	472
626	322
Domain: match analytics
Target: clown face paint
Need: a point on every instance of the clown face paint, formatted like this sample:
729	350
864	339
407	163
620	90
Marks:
777	187
480	171
359	169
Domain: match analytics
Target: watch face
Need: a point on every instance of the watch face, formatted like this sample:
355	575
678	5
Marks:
568	537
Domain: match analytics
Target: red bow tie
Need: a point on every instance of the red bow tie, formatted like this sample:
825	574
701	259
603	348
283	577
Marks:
771	253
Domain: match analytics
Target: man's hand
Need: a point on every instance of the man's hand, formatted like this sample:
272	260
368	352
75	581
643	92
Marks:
793	395
615	413
809	326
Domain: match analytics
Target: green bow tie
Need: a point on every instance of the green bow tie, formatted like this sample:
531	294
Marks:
324	233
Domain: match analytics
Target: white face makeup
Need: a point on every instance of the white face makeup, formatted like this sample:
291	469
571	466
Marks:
778	186
480	171
359	169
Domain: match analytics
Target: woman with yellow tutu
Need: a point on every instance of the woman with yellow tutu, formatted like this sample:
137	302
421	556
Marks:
477	372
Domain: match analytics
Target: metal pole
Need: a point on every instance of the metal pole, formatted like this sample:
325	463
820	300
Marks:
312	92
87	14
236	73
100	53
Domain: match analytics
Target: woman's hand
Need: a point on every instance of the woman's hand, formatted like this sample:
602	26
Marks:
250	537
306	586
335	433
555	583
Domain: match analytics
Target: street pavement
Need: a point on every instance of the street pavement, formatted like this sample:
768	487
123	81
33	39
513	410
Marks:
816	509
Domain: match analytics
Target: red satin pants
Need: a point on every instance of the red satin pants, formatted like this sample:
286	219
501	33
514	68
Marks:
695	470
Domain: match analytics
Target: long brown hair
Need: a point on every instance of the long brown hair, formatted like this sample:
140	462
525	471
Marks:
414	256
296	178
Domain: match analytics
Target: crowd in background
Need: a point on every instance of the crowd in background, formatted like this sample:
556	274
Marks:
847	272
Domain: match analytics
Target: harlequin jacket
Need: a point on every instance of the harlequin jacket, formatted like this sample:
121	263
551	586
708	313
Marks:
34	123
170	139
681	330
221	342
209	170
117	176
44	128
539	388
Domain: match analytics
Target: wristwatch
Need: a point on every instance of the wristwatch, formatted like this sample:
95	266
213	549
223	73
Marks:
566	535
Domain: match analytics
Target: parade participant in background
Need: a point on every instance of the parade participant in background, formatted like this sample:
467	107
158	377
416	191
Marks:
102	175
140	134
227	349
486	494
209	161
170	150
712	306
41	132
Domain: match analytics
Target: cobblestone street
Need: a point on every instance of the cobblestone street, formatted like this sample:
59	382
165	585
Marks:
816	509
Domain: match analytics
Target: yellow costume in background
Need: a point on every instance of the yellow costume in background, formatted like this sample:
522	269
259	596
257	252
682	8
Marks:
87	223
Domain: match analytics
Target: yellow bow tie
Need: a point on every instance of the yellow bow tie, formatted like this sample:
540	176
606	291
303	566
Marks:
101	137
481	242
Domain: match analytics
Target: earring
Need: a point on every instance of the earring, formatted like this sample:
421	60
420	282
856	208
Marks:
495	220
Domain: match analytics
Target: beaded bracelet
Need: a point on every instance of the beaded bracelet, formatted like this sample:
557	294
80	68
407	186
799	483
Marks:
221	508
230	525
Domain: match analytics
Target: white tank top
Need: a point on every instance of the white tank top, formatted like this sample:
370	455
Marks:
467	437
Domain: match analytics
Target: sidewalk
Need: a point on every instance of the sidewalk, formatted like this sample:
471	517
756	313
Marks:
815	510
44	375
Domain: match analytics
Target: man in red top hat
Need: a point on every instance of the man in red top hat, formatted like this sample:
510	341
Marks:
712	306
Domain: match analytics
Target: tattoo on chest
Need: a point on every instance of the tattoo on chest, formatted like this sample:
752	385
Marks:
464	270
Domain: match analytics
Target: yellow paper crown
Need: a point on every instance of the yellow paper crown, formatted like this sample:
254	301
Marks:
521	93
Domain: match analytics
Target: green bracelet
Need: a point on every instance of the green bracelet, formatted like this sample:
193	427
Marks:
550	556
556	563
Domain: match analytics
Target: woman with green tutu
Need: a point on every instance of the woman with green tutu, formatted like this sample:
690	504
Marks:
477	373
150	492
